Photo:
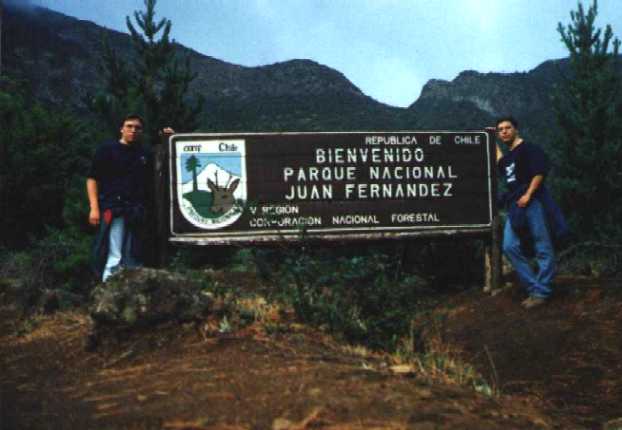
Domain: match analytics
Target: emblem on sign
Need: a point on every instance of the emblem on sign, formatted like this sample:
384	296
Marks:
211	181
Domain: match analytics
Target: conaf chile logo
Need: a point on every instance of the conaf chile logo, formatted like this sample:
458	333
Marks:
211	182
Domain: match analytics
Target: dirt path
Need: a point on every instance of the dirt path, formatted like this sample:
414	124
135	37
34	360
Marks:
179	378
566	355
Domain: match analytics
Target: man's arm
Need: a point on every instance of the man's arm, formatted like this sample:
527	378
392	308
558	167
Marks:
533	186
499	153
92	191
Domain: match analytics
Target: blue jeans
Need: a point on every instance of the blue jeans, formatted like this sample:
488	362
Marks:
119	249
537	284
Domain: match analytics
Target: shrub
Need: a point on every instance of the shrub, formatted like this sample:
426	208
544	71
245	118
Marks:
598	259
365	298
53	273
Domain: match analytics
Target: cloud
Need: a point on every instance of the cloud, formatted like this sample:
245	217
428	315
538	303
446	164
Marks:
391	79
485	13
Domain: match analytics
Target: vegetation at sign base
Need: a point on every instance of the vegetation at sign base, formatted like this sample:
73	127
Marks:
366	298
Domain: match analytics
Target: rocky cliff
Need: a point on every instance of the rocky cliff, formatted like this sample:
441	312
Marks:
477	98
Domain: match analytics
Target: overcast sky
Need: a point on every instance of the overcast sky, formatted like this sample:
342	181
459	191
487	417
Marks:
388	48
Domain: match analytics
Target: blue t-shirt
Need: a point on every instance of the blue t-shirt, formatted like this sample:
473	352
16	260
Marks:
121	174
520	165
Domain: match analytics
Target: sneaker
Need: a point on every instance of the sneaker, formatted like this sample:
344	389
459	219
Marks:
532	302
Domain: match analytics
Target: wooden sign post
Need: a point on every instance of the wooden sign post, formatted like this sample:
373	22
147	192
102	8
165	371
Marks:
266	187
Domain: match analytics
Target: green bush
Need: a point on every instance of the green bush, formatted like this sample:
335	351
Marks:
597	259
366	298
449	264
53	273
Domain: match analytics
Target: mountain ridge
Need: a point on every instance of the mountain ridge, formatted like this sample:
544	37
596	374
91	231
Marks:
59	56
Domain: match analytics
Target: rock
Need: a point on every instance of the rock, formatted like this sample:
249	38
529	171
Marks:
146	297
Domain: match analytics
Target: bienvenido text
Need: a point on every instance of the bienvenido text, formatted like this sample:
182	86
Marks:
362	155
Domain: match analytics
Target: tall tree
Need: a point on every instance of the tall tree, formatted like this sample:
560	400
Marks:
42	152
192	164
154	82
588	106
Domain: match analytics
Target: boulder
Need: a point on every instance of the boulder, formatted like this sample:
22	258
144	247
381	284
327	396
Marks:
145	297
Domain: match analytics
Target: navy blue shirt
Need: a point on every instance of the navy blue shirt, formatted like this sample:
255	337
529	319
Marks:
121	174
520	165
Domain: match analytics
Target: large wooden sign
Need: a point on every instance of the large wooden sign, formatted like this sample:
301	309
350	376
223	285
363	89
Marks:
271	186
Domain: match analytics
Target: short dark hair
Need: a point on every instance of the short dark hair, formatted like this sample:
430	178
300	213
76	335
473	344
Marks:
508	118
133	116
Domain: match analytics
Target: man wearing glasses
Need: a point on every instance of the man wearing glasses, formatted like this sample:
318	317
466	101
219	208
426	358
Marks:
116	188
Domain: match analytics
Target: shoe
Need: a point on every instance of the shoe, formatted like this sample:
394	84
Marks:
532	302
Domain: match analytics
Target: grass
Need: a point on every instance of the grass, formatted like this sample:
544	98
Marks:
433	358
437	360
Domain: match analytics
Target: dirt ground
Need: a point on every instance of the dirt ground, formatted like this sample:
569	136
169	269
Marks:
557	367
566	355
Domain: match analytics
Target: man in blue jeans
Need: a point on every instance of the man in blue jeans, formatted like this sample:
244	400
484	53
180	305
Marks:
116	187
533	218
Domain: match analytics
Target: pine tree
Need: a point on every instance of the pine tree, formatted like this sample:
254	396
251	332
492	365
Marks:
42	152
154	83
588	107
192	164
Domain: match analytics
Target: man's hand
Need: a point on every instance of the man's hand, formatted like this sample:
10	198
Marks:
533	187
524	200
165	133
94	217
